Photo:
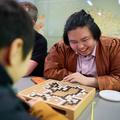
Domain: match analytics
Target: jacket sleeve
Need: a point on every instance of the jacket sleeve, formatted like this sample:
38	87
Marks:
45	112
55	63
112	79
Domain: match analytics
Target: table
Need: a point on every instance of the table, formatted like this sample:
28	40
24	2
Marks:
103	110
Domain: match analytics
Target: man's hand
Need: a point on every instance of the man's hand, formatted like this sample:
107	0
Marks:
29	100
83	80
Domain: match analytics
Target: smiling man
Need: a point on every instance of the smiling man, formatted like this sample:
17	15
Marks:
84	56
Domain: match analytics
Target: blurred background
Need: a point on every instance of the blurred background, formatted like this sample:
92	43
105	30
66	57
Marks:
54	13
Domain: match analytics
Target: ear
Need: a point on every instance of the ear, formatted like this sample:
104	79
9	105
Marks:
33	22
15	52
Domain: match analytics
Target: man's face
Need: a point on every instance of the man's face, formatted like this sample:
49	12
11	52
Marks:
81	40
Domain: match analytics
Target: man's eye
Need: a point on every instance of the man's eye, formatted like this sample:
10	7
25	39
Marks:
84	40
73	42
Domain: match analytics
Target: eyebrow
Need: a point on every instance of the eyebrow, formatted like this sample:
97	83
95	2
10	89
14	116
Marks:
73	41
86	37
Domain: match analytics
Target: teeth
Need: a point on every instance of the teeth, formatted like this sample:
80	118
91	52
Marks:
82	50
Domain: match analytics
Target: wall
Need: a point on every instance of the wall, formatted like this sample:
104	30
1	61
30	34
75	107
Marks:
54	13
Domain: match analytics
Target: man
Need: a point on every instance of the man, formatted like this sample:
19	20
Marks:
36	64
16	42
84	56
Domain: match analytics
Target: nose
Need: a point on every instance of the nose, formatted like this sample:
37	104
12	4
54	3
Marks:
81	46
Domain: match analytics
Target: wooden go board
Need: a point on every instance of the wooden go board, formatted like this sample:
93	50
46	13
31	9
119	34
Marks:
68	98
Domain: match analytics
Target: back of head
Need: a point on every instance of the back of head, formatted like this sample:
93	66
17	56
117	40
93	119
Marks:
15	23
81	19
31	9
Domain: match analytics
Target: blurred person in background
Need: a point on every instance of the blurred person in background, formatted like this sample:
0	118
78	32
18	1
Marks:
36	63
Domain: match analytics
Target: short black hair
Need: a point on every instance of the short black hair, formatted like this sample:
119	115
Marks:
81	19
31	9
15	23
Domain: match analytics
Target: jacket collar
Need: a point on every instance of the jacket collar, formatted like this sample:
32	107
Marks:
4	77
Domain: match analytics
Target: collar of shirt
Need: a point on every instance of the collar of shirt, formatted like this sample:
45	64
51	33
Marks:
4	77
94	51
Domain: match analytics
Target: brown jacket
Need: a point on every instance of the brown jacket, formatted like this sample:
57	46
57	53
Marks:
62	61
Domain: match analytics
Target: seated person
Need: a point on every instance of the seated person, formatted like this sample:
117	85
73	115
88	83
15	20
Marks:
84	56
17	39
36	64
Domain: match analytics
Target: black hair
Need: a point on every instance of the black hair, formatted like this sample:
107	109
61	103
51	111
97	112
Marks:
31	9
81	19
15	23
